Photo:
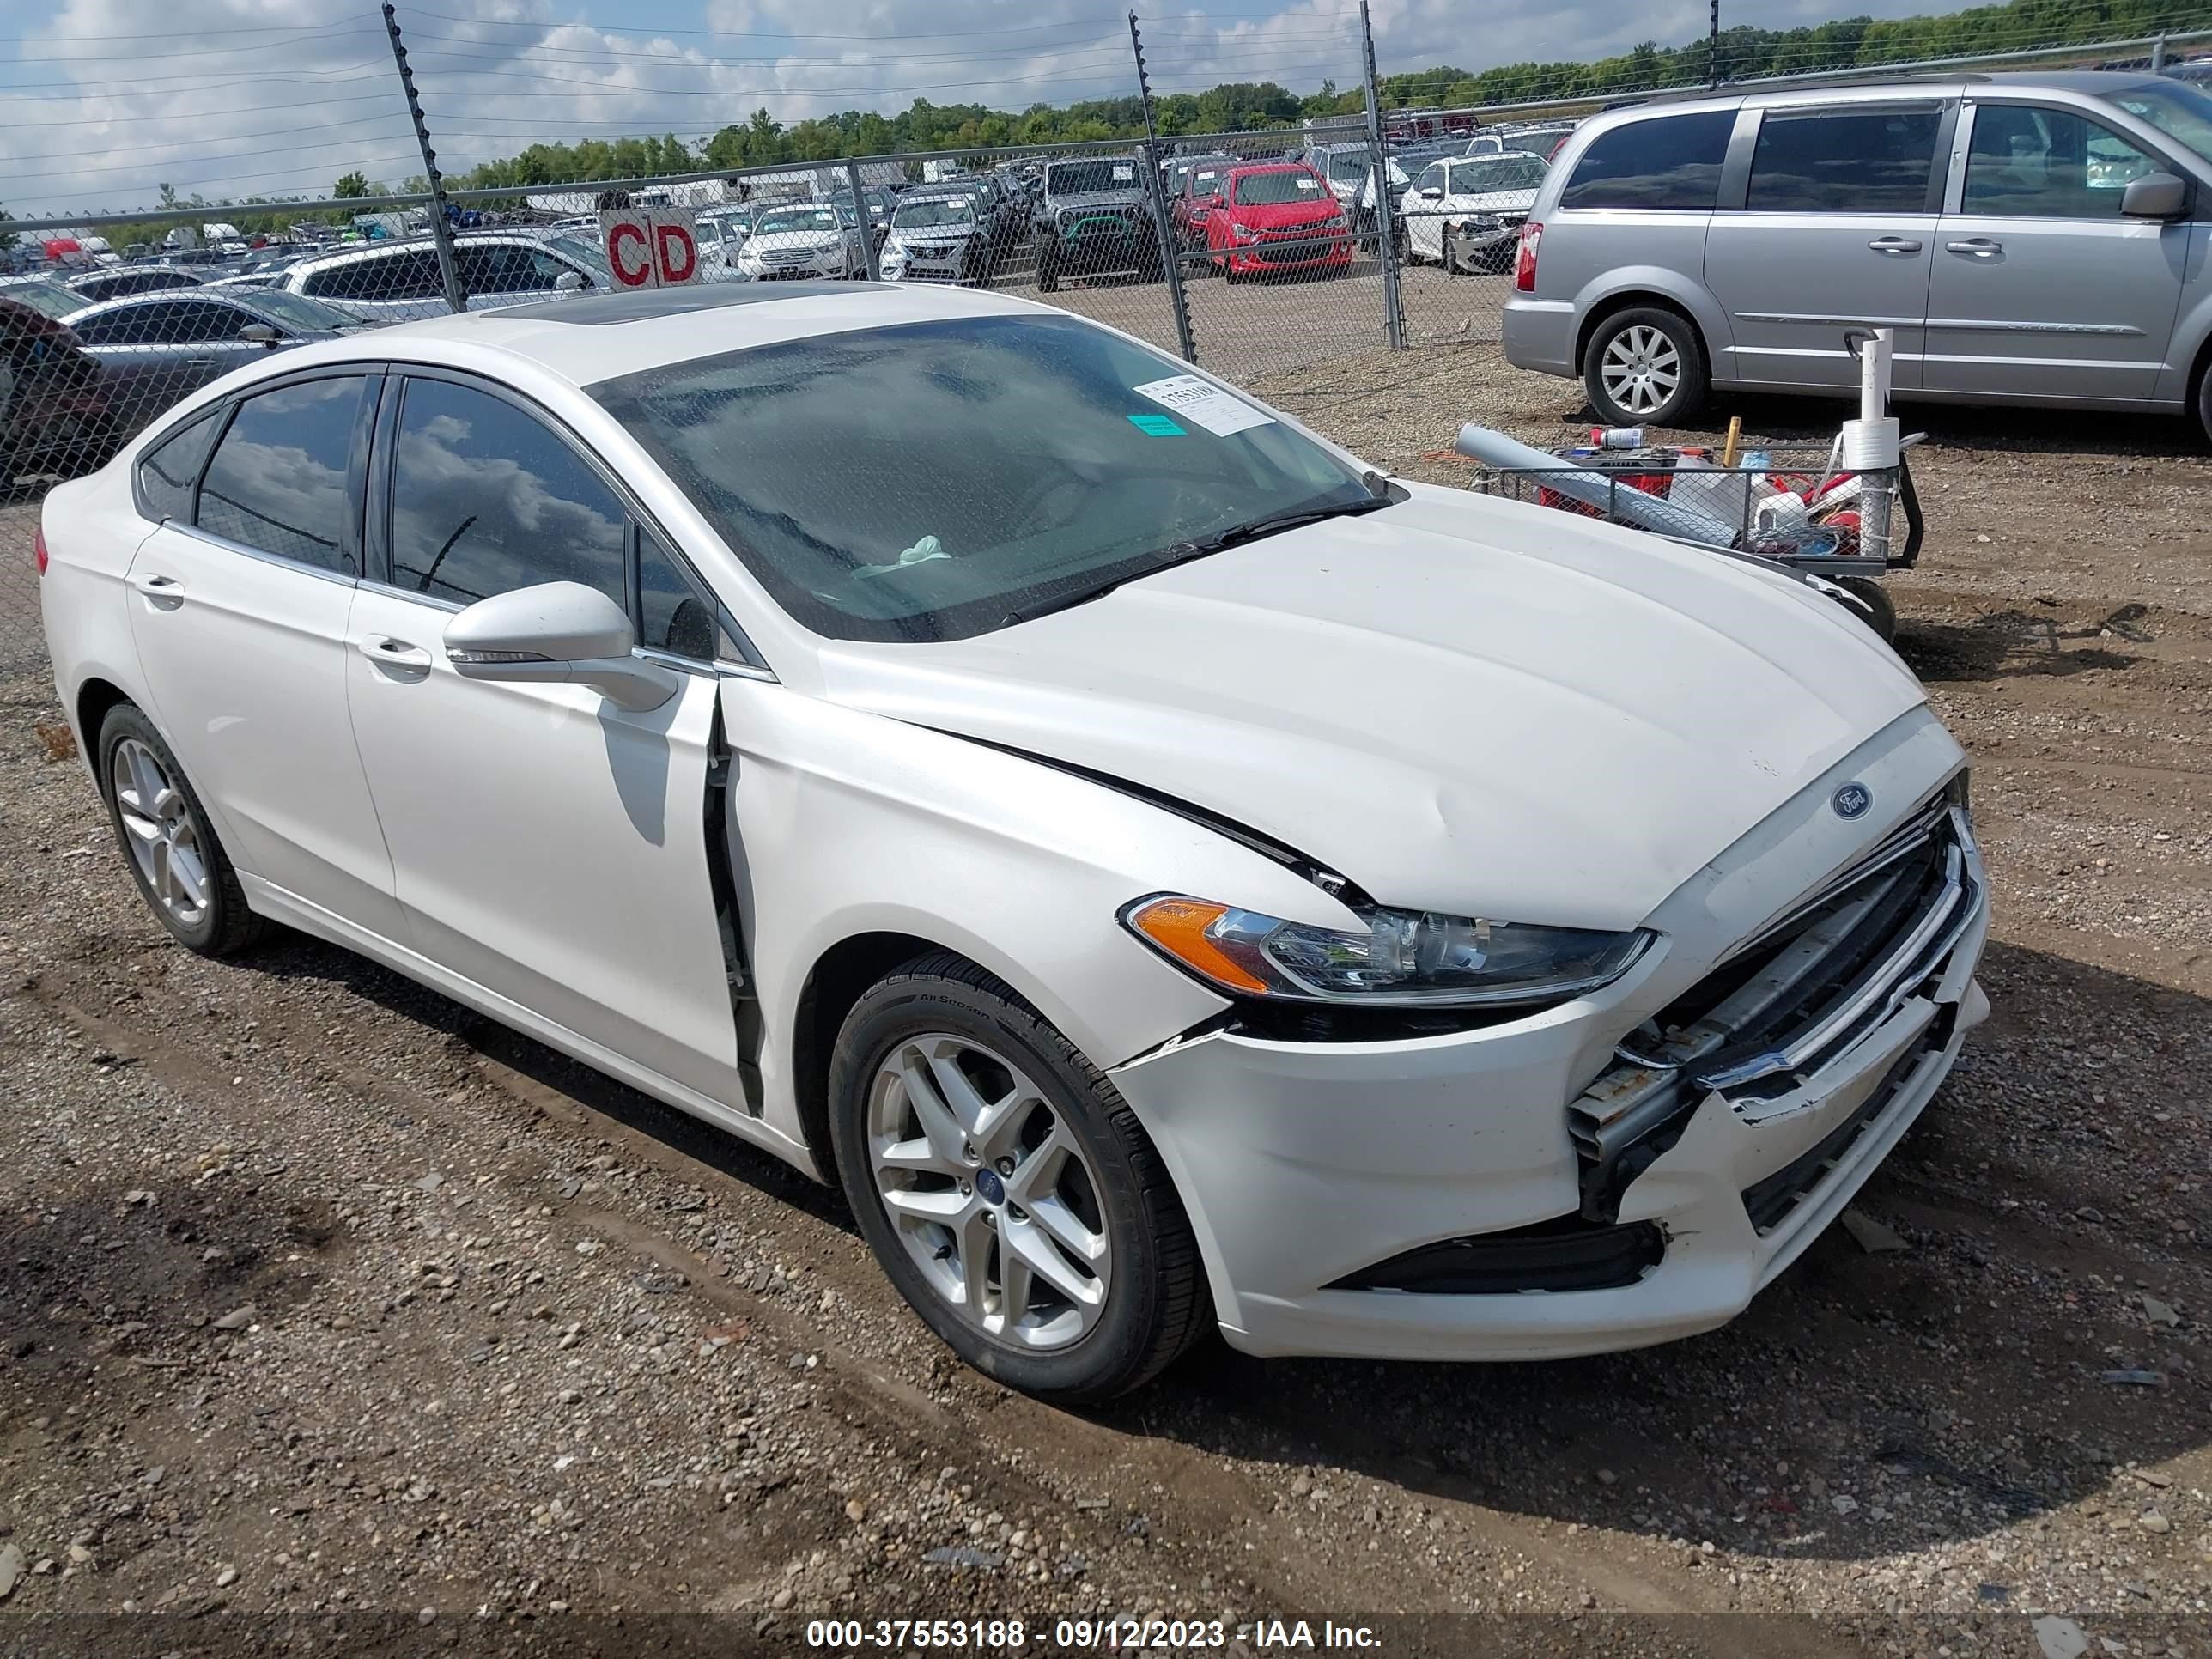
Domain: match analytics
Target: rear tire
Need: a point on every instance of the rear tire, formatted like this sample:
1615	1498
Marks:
1644	367
182	872
1058	1121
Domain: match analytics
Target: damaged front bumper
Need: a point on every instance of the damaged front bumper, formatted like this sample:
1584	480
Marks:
1447	1198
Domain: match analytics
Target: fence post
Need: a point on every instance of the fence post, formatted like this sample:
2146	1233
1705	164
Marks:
1713	47
441	232
1156	192
2158	54
867	231
1386	243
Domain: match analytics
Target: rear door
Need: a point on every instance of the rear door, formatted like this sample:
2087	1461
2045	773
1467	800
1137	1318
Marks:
2042	289
1835	230
238	612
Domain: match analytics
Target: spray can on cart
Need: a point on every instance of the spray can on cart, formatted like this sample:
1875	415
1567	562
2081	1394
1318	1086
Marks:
1617	437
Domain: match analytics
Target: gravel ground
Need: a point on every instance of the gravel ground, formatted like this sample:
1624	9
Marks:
325	1298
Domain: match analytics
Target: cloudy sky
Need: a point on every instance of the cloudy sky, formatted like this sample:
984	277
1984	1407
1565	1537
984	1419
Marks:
106	100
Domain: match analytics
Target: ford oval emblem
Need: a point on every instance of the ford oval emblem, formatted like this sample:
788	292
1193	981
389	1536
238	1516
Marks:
1851	800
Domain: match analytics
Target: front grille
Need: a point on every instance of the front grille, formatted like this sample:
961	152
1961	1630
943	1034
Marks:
1784	1005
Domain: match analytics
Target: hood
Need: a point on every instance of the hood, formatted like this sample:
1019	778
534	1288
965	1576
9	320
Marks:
1129	196
923	235
1459	703
1496	200
1321	208
792	242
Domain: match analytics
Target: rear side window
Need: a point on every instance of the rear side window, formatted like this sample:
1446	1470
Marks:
279	481
1672	161
486	498
1844	160
167	472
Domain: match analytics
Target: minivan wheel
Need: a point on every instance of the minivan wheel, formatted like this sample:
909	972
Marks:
182	872
1645	366
1007	1188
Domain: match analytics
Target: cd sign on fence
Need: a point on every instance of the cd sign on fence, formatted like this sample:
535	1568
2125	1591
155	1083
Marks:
654	247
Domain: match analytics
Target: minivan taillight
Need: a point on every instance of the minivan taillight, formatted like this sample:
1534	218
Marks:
1524	263
38	549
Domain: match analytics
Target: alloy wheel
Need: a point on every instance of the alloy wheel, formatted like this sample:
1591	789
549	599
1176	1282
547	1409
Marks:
159	828
989	1191
1640	368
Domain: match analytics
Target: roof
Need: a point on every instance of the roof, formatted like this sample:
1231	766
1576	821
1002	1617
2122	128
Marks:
594	338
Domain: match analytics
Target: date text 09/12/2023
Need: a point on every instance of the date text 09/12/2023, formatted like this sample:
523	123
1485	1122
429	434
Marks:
1085	1635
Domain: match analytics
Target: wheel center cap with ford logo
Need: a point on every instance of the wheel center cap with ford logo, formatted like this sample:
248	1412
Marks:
993	1190
1851	800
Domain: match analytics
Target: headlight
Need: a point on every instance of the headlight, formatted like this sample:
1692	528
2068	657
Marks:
1242	229
1403	957
1478	222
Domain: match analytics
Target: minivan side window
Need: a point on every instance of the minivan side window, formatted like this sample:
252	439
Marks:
279	481
2026	163
1851	159
487	498
1671	162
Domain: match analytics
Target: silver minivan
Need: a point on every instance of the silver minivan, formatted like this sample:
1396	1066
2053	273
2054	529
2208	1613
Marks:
2034	239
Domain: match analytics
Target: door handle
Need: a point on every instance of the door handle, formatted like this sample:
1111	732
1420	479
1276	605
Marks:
162	590
1895	245
1981	248
200	363
394	653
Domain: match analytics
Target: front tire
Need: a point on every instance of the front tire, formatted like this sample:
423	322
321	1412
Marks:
1645	366
182	872
1881	609
1008	1190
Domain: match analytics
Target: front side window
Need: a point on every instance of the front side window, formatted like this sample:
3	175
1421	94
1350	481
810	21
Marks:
1671	162
1432	176
675	614
1844	160
165	322
2026	163
939	480
278	480
486	498
168	471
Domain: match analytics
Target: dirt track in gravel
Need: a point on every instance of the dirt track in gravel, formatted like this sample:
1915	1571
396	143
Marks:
522	1341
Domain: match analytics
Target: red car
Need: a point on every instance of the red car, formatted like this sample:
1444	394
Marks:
1277	217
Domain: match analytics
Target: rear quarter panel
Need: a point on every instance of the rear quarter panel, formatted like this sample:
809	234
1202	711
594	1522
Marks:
93	531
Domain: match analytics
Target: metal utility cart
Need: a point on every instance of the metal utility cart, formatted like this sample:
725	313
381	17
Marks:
1844	513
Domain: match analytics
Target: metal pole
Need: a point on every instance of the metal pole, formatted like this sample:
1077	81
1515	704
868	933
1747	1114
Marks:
1713	47
2158	55
441	233
867	231
1155	190
1385	246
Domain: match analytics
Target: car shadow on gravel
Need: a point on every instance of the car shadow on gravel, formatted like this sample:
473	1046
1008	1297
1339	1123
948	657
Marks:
2004	644
539	1080
1994	1368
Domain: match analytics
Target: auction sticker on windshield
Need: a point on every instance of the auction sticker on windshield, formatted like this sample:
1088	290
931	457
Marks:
1204	404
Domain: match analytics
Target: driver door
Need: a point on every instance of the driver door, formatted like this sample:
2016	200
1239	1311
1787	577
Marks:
547	845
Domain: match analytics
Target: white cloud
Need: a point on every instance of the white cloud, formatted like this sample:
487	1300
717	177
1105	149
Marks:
104	100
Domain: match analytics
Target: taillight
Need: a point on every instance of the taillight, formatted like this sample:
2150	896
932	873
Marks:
38	549
1524	263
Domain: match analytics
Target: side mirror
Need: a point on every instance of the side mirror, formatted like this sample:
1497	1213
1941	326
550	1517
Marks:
569	282
258	334
1433	192
2155	196
556	633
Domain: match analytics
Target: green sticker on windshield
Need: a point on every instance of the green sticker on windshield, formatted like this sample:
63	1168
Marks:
1157	426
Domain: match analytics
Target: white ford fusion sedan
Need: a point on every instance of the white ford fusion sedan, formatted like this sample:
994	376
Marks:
1169	874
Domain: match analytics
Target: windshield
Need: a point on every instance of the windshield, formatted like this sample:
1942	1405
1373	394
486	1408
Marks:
2175	108
1270	189
1082	178
51	299
1502	172
930	482
1206	181
296	309
911	214
1348	165
813	221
